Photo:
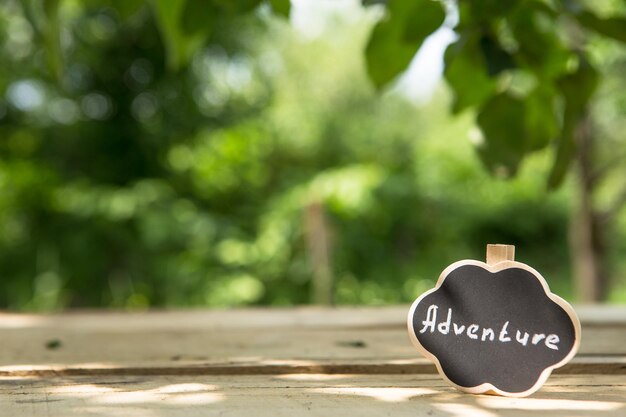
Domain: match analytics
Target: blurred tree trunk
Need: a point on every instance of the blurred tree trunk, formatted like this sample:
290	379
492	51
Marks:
588	224
318	236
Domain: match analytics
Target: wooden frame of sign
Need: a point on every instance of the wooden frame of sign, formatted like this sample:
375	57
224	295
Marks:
530	352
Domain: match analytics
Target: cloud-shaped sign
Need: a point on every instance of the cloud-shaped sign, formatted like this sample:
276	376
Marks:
494	328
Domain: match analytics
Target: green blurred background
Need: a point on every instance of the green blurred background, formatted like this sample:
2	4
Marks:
163	154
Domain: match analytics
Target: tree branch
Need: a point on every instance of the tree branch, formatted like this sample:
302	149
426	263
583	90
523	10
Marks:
602	171
618	204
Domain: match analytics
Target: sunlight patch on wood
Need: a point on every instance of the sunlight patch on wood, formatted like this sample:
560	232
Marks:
59	367
187	387
382	394
548	404
106	411
18	321
82	390
173	394
464	410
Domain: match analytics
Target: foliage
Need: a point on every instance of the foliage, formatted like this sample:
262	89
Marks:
141	166
522	65
184	25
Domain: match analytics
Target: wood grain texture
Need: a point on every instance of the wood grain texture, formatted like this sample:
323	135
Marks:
297	394
305	361
244	342
499	253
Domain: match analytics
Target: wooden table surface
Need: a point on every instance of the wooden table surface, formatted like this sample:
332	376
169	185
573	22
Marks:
281	362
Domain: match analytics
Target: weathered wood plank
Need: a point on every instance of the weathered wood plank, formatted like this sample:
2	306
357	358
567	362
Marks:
579	365
318	317
363	340
274	363
297	394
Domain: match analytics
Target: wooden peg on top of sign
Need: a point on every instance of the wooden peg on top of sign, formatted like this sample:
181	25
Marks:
494	327
498	253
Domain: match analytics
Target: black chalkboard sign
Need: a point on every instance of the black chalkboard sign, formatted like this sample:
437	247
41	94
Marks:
494	328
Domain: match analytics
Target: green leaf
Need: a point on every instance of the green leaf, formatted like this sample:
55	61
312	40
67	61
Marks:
385	55
496	58
540	48
167	14
501	121
541	121
612	27
43	15
127	8
198	16
52	37
366	3
186	24
236	7
485	10
180	44
566	149
424	18
577	89
281	7
466	73
50	7
397	37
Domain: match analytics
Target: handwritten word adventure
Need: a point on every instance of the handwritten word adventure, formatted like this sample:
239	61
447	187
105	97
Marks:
476	332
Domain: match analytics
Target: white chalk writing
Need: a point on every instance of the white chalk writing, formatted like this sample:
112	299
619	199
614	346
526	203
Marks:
487	334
